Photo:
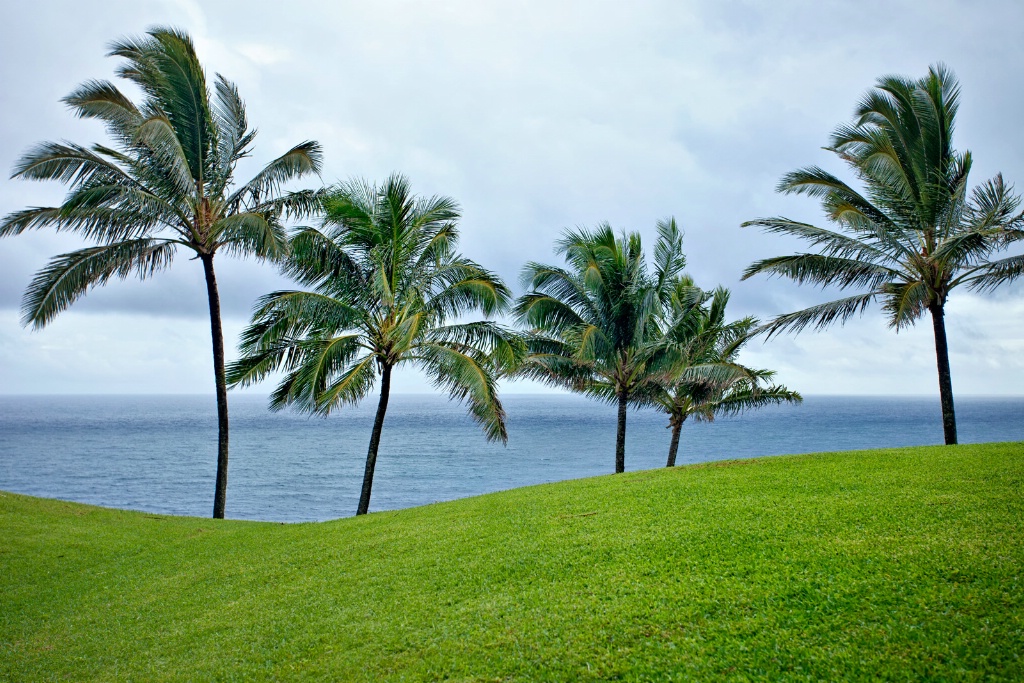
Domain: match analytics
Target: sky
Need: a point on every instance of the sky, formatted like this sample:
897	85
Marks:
536	117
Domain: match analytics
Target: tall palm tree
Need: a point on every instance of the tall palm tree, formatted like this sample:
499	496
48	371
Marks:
594	325
165	183
706	380
385	281
914	233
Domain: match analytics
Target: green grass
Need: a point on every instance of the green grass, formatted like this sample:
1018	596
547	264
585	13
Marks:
894	564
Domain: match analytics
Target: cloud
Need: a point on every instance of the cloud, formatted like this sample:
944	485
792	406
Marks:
264	55
541	116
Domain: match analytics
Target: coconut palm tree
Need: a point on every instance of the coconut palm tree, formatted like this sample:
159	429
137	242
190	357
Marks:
594	325
165	183
385	281
706	380
914	234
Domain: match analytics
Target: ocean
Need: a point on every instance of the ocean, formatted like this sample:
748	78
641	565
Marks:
158	453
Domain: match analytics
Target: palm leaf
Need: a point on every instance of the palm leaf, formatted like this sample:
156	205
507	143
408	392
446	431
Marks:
350	387
823	270
995	273
251	233
819	316
234	137
466	377
102	100
303	159
906	302
669	259
68	276
164	65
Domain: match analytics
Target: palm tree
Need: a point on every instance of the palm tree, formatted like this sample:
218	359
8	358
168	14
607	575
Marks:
914	234
705	379
385	280
165	183
594	325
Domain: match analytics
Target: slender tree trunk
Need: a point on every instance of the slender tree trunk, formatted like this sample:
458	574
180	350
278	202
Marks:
673	447
371	453
217	332
945	379
620	435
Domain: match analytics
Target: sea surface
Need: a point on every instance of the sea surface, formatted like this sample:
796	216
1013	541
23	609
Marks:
158	453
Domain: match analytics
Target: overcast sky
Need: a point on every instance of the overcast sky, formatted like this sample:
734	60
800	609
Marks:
535	116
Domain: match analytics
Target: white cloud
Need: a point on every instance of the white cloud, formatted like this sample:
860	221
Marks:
264	55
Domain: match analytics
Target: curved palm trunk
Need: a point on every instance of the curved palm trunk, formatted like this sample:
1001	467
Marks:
217	332
945	379
371	453
620	435
673	447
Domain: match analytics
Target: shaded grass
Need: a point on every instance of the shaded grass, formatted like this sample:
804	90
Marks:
896	564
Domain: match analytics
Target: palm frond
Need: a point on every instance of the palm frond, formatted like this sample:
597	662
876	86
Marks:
482	294
303	159
32	218
68	163
746	397
669	259
293	205
829	242
243	234
995	273
234	137
68	276
321	374
905	302
284	316
819	316
466	377
823	270
350	387
102	100
543	312
562	285
841	202
553	362
159	136
993	206
165	66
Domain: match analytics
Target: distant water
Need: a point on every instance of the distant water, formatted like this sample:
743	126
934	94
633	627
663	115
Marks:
158	453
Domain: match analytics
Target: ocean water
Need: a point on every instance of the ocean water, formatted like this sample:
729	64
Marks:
158	453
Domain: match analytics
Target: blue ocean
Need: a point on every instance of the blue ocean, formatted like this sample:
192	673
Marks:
158	453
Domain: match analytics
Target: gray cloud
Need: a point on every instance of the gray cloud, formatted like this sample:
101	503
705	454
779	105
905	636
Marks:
536	117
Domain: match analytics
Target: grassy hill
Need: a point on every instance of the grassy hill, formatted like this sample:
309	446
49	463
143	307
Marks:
899	564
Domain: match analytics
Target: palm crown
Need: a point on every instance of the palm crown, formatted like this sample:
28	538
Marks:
705	378
385	281
165	182
914	234
594	325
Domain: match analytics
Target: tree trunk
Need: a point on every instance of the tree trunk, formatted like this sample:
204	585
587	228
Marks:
217	332
673	447
620	435
945	380
371	453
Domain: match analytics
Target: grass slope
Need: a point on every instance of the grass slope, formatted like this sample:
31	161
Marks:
900	564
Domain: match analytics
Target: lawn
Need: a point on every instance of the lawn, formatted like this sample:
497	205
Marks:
895	564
